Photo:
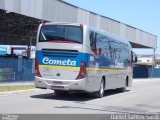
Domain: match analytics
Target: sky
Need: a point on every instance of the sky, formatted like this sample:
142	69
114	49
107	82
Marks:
142	14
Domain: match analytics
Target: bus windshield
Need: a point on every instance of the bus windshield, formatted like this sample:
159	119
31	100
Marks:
61	33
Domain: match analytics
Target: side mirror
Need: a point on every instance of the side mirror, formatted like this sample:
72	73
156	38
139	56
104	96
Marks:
134	57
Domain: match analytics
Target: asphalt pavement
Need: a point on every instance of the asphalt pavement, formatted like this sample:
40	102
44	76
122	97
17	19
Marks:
142	98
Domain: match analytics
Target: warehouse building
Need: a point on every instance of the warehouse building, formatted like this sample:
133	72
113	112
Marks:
19	20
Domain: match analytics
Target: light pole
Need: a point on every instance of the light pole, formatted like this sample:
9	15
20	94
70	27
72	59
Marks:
29	47
153	61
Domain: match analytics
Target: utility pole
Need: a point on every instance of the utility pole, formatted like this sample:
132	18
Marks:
29	47
154	56
153	62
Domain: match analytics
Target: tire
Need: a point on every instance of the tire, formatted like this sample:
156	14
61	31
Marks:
100	93
123	89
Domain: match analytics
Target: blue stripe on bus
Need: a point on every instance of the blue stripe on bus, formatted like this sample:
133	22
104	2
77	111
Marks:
103	61
79	57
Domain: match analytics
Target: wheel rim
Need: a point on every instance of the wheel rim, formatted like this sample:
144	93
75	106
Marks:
102	88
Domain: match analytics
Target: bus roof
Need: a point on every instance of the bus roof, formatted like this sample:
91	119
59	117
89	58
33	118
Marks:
115	37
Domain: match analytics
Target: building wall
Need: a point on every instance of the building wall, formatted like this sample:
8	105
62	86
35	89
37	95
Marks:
59	11
145	60
149	60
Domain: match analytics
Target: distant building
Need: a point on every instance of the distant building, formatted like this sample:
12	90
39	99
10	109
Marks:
145	59
157	62
149	60
17	50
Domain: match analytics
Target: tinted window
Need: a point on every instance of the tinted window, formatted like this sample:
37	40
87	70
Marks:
92	40
61	32
98	43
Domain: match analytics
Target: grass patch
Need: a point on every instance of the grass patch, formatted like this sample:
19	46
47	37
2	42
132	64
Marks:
16	87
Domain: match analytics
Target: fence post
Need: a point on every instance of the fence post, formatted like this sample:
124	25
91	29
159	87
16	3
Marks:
20	68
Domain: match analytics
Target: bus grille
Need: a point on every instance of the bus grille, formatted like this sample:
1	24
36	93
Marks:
59	53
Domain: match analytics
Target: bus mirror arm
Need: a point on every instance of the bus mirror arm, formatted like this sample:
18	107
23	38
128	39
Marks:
135	61
134	57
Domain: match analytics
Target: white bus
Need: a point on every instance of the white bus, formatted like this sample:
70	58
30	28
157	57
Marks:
77	57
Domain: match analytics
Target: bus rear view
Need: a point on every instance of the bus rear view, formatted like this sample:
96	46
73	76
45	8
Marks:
60	61
76	57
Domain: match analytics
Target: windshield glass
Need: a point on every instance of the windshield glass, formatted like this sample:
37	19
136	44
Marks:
61	33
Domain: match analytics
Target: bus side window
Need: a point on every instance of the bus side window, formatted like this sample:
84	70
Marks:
99	51
93	42
110	50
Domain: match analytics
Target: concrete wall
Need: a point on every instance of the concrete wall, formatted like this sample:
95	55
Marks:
59	11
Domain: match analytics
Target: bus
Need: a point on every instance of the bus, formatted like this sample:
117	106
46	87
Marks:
77	57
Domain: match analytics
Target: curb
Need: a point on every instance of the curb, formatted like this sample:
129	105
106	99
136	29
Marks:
14	84
145	79
17	92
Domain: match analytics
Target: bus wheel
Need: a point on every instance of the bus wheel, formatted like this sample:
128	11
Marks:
100	93
123	89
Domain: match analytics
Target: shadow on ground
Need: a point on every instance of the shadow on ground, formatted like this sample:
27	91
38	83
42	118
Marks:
74	96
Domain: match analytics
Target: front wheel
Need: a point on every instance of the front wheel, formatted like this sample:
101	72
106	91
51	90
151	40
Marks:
100	93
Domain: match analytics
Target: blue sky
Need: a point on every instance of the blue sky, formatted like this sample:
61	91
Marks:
142	14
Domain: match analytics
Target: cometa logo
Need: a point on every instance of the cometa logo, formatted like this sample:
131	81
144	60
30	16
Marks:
49	61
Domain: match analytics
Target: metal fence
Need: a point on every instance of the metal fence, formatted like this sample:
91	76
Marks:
16	69
146	72
155	72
